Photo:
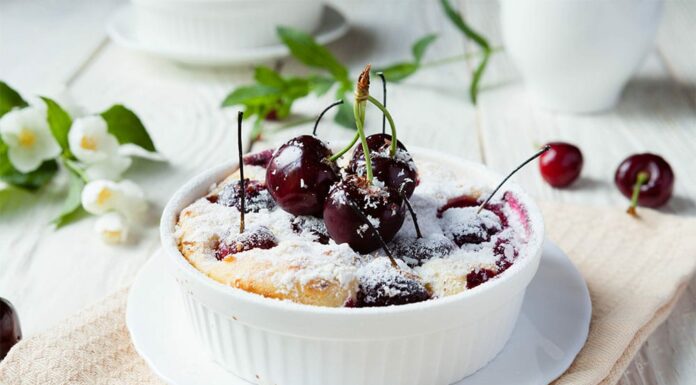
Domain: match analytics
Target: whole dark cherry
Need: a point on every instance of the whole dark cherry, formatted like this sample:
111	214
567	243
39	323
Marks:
299	175
260	237
380	204
561	164
656	177
392	171
10	331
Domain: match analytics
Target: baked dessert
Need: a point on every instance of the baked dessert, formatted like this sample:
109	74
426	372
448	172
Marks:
376	230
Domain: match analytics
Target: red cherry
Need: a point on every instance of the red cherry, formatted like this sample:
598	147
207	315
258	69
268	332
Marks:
392	171
561	164
299	175
10	331
383	205
657	187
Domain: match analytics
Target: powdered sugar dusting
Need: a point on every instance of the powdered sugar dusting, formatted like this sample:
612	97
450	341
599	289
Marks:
440	261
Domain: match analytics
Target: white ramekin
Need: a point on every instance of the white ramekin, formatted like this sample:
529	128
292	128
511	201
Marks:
213	26
440	341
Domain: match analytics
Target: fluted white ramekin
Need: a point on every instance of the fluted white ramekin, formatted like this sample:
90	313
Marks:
213	26
434	342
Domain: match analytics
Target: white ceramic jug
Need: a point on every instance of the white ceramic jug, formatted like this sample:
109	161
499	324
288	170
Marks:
577	55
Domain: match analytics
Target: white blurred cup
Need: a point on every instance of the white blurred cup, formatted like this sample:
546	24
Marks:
577	55
214	26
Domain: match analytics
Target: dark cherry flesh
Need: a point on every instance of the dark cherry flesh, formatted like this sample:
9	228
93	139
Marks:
393	172
260	158
395	287
312	225
300	174
561	164
657	190
255	238
10	331
416	251
256	196
380	203
477	231
477	277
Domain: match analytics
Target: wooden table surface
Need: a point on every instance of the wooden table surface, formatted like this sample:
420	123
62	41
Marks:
47	46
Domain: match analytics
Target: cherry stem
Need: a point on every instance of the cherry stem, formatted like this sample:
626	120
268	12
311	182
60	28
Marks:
384	99
641	179
392	149
359	111
242	191
410	209
538	154
372	227
339	154
316	123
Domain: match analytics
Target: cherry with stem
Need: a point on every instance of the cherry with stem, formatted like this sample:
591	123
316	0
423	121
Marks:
240	117
641	179
410	210
362	216
316	123
362	96
490	196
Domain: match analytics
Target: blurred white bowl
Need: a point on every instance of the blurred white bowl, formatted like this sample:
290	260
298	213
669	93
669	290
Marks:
211	26
577	55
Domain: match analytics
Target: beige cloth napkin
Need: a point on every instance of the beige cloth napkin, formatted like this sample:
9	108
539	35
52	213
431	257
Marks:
635	269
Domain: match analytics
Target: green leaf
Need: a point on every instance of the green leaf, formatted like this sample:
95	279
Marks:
459	22
9	99
320	85
72	207
305	49
400	71
345	116
59	121
125	125
33	180
421	45
478	74
254	95
268	77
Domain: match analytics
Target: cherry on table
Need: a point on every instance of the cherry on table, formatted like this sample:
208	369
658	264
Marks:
561	164
392	171
647	179
381	204
10	330
299	175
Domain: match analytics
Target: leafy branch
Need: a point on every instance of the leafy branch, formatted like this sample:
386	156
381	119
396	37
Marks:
121	123
272	95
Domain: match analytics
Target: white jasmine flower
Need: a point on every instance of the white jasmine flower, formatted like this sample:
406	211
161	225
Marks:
112	227
125	197
30	141
92	144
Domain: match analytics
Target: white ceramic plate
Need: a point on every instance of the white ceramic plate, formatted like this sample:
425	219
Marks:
121	29
551	330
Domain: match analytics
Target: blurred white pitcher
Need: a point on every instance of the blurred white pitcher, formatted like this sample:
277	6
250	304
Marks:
577	55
